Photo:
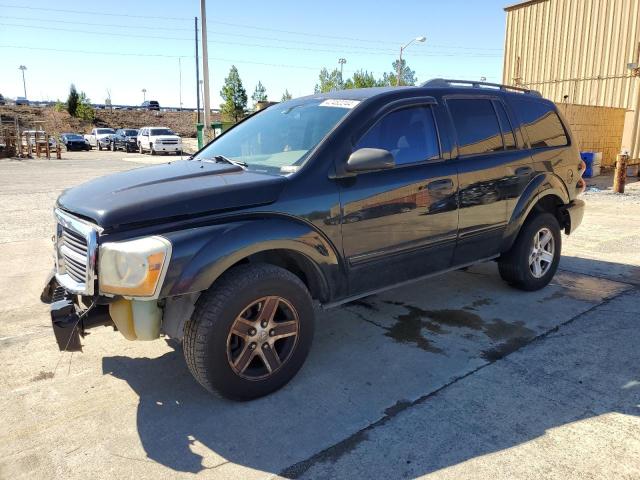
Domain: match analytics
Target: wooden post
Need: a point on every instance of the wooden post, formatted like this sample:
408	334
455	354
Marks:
58	150
47	147
620	176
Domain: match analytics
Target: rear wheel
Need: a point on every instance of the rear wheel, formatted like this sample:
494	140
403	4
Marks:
533	259
250	332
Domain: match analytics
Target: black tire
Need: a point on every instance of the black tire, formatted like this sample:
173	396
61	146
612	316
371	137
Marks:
140	148
153	152
514	265
206	333
99	146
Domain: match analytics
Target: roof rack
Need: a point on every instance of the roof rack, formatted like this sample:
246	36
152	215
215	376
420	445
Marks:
448	83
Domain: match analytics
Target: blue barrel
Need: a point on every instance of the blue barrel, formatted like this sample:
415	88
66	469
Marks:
587	158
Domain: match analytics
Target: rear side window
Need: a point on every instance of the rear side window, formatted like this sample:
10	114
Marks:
505	125
409	134
541	123
476	125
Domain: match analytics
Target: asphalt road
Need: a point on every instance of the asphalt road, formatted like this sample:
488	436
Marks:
456	377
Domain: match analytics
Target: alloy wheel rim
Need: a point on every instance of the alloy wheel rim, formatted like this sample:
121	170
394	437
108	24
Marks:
262	338
542	253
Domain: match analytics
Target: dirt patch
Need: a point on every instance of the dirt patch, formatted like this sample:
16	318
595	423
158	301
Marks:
55	123
42	376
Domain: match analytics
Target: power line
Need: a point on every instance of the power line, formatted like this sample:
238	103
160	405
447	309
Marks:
87	12
253	45
233	34
252	27
160	55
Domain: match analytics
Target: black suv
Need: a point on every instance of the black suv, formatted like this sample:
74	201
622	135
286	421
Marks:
150	105
325	198
125	139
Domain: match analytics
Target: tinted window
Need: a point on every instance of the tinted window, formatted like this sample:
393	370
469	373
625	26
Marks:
505	125
130	133
541	123
161	131
409	134
476	126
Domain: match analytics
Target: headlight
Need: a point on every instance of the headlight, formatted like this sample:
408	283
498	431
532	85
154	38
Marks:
135	268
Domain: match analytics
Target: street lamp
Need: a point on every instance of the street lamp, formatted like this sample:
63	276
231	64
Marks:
341	61
144	94
24	84
417	39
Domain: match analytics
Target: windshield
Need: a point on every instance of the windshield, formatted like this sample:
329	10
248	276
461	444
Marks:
131	133
74	137
278	139
161	131
105	130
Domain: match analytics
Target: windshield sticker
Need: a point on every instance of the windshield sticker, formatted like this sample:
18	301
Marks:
340	103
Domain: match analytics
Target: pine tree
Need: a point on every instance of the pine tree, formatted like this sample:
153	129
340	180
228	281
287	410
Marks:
234	96
73	100
286	96
259	94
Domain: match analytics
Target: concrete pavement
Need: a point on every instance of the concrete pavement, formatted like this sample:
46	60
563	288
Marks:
456	377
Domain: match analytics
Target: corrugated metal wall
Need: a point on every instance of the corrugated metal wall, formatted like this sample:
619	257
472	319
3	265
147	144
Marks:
577	48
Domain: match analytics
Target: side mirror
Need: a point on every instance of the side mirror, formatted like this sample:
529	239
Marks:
370	159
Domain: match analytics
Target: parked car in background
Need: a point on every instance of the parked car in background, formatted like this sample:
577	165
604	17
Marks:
158	139
125	139
104	143
99	133
2	100
22	101
150	105
74	142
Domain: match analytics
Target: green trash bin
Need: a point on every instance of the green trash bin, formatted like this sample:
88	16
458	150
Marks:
199	128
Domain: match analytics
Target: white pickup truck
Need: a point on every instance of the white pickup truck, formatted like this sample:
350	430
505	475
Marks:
98	134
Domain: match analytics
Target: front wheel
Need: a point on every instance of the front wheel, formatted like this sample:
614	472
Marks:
250	332
140	148
99	146
533	259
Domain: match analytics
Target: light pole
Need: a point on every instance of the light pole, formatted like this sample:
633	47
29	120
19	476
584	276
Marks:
341	61
24	84
144	95
417	39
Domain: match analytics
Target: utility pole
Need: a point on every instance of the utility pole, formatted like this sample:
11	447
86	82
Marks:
24	84
144	94
180	81
195	23
205	67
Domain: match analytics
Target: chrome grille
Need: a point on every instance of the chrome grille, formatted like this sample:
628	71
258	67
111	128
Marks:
76	246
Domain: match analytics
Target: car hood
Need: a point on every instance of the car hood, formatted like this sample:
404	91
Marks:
177	189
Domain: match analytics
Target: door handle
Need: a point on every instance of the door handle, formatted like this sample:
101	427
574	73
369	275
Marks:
440	185
523	171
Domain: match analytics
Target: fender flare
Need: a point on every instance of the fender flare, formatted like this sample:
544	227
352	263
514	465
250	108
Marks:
201	255
542	185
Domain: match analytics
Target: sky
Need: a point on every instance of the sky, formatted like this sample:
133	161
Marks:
123	47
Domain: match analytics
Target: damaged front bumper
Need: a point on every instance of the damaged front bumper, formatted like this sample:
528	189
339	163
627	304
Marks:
69	318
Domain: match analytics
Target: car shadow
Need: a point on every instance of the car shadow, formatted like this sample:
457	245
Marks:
186	429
